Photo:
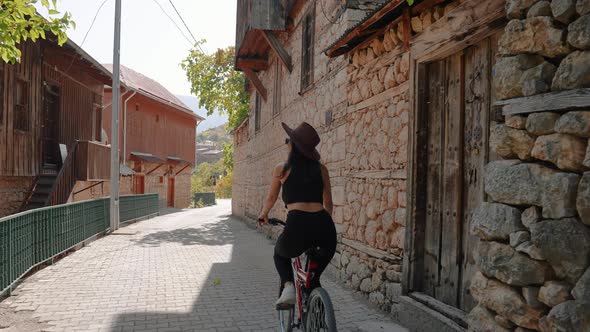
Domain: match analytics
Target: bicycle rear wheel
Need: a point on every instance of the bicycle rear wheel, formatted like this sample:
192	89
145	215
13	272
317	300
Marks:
320	314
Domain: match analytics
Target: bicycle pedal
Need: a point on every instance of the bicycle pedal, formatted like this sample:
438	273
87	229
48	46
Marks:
284	306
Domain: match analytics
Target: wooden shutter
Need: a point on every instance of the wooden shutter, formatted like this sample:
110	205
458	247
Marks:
257	112
307	51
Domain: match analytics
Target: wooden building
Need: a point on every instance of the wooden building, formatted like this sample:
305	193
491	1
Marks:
157	139
417	106
50	125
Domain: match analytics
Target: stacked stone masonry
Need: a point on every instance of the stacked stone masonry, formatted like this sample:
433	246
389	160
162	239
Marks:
534	251
360	106
534	231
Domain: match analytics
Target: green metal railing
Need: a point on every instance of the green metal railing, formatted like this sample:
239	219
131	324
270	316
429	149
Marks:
30	238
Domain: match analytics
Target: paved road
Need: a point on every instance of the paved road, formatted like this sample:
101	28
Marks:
191	270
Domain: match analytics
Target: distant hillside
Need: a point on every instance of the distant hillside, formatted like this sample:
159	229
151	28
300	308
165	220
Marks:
211	121
217	135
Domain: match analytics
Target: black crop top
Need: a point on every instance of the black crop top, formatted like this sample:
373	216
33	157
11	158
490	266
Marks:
304	184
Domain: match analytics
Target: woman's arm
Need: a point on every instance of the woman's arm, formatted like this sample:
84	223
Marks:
273	194
328	205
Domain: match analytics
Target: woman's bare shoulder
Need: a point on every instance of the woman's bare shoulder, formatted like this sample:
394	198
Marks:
278	170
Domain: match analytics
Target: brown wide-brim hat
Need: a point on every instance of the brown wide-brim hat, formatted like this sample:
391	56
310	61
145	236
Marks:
305	138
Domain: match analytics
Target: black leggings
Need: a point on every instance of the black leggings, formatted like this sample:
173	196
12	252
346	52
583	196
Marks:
305	230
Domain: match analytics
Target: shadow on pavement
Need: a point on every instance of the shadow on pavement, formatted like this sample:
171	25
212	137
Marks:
211	234
168	210
237	294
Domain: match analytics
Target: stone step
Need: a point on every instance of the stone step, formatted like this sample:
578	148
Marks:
421	318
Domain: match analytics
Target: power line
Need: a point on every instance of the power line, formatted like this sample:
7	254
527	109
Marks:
93	21
174	22
186	26
85	36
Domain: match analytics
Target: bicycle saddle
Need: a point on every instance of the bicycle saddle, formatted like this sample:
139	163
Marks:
315	252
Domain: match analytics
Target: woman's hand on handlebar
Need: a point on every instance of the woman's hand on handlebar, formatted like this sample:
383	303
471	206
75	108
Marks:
263	218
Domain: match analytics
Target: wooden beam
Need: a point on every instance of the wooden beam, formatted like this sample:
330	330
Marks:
256	82
154	169
407	29
379	32
471	21
375	35
363	26
255	64
275	44
185	167
552	101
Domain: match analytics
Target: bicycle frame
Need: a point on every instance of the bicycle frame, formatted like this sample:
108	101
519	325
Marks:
303	278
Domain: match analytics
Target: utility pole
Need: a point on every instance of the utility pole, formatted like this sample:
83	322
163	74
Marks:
116	92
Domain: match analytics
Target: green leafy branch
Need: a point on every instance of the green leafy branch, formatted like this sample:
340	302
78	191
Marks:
20	22
216	83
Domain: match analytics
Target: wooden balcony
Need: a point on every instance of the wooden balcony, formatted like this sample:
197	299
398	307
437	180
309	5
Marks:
254	17
93	161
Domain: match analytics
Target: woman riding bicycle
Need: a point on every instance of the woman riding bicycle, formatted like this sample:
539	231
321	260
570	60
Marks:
307	195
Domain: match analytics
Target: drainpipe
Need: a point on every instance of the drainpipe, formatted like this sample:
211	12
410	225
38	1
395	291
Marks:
125	126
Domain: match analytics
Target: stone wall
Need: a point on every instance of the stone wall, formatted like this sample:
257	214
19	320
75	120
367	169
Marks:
13	192
359	104
182	186
534	251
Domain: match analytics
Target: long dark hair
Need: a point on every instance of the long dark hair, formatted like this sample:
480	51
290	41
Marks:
298	158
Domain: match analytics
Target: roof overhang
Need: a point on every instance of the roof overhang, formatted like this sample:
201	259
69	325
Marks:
177	161
147	157
162	101
376	23
93	62
125	170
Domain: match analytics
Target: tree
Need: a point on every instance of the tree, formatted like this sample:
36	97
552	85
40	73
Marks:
228	156
216	83
19	22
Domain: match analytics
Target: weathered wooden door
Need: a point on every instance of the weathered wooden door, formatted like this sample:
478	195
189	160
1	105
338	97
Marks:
50	125
138	184
171	192
458	98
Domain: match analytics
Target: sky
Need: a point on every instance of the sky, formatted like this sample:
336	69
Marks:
150	43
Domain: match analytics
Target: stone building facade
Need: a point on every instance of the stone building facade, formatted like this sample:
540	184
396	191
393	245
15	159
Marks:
395	95
534	250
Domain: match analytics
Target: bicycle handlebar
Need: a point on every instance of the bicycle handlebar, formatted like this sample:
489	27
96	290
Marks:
274	221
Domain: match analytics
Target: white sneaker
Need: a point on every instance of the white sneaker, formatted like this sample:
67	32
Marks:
287	297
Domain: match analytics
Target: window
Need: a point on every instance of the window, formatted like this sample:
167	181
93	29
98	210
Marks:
97	123
307	51
22	112
276	102
257	112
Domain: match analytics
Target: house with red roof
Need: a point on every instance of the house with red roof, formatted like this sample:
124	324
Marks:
157	137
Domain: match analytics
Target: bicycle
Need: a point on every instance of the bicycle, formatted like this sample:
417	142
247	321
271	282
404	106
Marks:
315	312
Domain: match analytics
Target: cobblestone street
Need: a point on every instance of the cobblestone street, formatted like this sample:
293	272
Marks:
192	270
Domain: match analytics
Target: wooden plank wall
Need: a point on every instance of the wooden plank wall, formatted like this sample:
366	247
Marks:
19	150
78	95
159	129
